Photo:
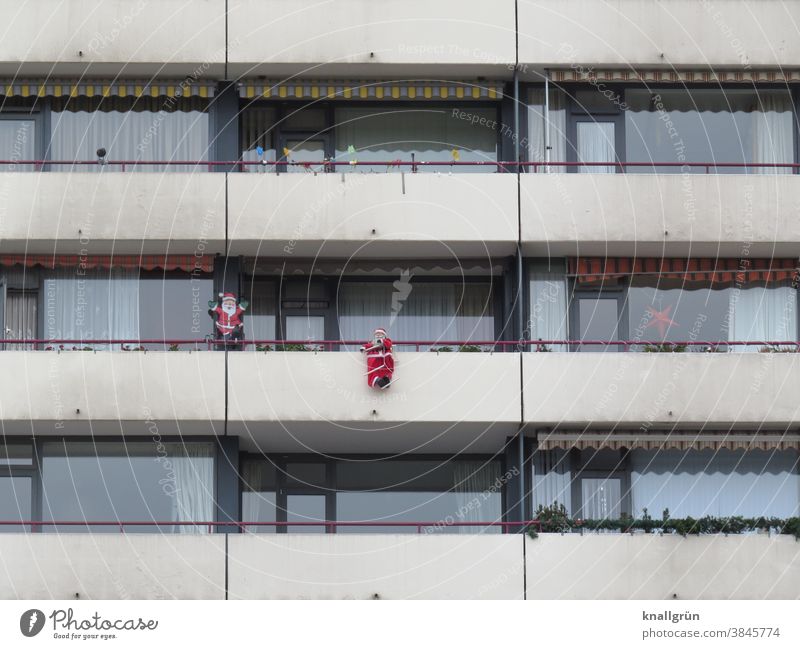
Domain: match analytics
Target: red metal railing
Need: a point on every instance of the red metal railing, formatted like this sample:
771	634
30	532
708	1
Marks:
540	345
413	165
242	526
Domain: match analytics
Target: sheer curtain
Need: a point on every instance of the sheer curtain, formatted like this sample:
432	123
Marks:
596	144
429	133
536	127
193	465
259	322
20	316
551	479
100	304
773	132
478	495
130	135
548	304
601	498
763	314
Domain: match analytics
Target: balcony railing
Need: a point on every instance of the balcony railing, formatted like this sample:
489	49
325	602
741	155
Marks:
441	346
329	166
330	527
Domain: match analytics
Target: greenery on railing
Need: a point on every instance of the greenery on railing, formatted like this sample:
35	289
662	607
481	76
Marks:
555	518
665	347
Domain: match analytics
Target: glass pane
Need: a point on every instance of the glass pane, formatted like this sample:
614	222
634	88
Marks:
599	320
305	508
17	139
16	454
15	502
596	144
311	151
537	119
260	316
134	481
259	494
174	308
306	474
257	130
430	134
709	126
305	327
601	498
547	319
21	319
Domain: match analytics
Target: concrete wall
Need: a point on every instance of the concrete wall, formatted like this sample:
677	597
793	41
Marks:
75	387
667	214
124	213
642	33
359	37
353	566
621	566
332	386
373	215
112	566
661	388
169	37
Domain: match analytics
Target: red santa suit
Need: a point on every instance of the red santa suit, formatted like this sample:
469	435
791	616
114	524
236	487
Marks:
380	362
228	317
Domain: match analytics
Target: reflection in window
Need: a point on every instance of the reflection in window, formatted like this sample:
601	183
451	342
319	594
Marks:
17	143
15	502
133	481
427	311
732	126
431	134
138	129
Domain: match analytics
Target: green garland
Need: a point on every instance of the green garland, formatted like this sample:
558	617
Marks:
555	519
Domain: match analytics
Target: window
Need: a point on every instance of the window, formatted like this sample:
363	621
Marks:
143	129
551	479
411	310
16	485
374	491
715	483
711	126
17	141
537	119
257	128
547	319
174	305
429	134
128	481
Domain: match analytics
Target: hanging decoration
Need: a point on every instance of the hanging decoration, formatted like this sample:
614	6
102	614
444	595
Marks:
228	315
380	362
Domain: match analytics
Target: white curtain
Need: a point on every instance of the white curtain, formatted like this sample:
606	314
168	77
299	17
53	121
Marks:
430	133
257	504
478	494
596	144
193	465
558	128
715	483
762	314
259	323
100	304
17	137
446	311
551	479
132	135
773	132
257	125
601	498
548	307
20	317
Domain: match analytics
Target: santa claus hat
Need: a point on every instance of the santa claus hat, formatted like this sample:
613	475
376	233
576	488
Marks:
380	332
228	296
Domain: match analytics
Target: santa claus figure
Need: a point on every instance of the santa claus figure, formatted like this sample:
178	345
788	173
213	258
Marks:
380	363
228	317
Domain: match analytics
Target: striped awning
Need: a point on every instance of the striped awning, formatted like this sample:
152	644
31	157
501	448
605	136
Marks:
663	440
589	75
106	88
723	270
188	263
374	90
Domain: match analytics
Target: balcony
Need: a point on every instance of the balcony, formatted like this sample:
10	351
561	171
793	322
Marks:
661	389
113	212
105	393
436	215
128	37
564	33
359	37
320	401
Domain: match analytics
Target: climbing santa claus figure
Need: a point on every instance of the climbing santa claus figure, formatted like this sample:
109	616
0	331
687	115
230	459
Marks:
228	315
380	363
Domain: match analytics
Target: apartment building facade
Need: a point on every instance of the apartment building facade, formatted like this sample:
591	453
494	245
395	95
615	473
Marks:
574	219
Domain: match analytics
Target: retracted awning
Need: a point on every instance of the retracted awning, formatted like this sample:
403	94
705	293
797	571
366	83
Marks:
188	263
388	90
663	440
591	75
105	88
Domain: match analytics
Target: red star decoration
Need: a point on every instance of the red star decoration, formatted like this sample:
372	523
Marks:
660	319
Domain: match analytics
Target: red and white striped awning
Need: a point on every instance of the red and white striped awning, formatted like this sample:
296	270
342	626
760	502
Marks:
188	263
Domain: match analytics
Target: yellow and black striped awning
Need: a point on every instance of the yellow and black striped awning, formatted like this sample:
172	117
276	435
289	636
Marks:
106	88
371	90
579	73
